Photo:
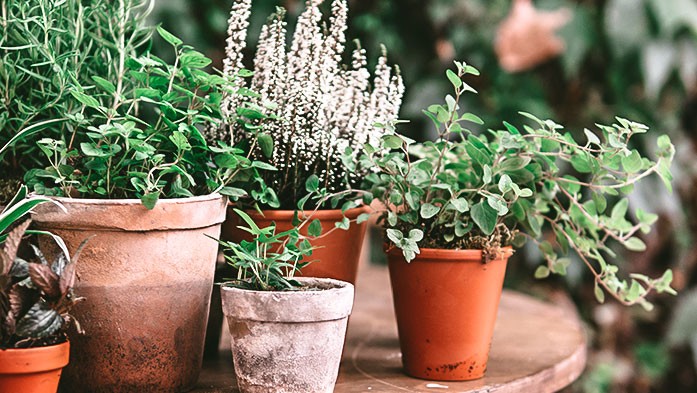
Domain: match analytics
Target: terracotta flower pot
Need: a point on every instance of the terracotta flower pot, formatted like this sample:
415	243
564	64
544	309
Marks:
33	370
338	252
446	303
147	276
288	342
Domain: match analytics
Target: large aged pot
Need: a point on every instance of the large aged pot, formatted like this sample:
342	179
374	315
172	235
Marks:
33	370
147	276
291	341
446	303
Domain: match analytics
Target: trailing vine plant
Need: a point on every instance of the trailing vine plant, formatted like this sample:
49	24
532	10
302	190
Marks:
506	186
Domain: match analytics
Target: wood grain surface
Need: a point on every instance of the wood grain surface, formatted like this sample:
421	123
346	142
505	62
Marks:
537	347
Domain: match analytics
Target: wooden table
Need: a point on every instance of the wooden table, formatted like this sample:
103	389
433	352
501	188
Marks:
537	347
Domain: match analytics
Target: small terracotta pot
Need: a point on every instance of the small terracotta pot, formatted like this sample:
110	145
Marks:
33	370
147	276
337	254
446	303
288	342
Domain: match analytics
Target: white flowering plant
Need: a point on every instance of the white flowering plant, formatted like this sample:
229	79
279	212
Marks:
323	112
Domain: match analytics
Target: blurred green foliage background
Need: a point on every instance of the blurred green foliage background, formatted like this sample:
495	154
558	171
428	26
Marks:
631	58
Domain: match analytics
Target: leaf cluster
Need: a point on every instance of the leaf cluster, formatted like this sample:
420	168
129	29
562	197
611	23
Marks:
130	126
35	298
270	260
502	187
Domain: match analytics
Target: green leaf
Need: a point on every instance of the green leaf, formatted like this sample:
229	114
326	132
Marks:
104	84
264	166
180	141
312	183
428	210
635	244
395	235
460	204
85	99
344	224
599	294
150	199
363	217
619	210
592	138
511	128
315	228
392	141
635	291
600	202
485	217
416	235
581	162
194	59
91	150
266	144
541	272
169	37
471	117
633	162
454	79
233	192
476	154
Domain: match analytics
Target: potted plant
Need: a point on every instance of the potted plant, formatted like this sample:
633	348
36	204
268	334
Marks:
129	163
456	206
322	109
35	303
287	332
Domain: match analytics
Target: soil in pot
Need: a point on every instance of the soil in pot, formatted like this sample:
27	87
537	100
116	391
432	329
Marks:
446	303
33	370
147	276
288	342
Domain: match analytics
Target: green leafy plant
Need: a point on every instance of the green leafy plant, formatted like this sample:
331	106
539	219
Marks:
503	187
268	262
35	298
128	123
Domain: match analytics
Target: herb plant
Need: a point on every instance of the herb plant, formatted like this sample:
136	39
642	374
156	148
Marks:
325	112
268	262
503	187
127	124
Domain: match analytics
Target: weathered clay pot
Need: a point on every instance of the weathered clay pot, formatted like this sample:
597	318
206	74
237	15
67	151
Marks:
33	370
288	342
147	276
446	303
337	254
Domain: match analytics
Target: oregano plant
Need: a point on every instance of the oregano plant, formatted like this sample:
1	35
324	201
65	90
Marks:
125	123
507	186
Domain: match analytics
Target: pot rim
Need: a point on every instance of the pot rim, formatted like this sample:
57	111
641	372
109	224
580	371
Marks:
130	215
451	255
290	306
23	360
322	214
135	201
338	285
